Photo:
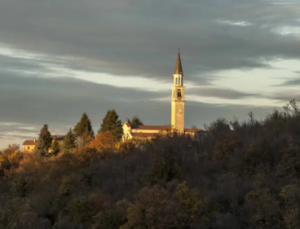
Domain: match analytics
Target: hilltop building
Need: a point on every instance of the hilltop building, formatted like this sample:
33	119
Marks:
30	145
146	131
177	113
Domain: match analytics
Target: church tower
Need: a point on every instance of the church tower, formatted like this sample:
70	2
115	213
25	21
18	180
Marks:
177	116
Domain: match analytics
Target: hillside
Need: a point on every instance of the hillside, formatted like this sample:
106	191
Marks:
246	176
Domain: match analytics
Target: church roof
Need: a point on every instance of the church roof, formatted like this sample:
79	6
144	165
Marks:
127	124
29	143
146	127
34	142
191	130
178	67
58	137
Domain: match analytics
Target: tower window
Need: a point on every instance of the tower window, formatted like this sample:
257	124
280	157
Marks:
179	94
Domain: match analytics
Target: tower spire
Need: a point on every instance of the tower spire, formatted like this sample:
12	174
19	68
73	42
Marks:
178	67
177	115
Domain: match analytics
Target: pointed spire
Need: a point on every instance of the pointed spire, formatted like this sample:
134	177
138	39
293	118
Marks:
178	68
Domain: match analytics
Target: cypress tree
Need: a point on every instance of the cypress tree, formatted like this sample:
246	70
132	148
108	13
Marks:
55	147
69	142
112	123
135	122
45	139
84	127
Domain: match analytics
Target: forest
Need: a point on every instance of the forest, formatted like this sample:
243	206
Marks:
242	174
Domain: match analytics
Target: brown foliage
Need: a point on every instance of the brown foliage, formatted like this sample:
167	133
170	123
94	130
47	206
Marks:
241	176
103	142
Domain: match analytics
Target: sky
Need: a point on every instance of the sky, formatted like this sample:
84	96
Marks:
59	59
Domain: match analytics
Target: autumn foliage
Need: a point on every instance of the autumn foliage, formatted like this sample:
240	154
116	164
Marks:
103	142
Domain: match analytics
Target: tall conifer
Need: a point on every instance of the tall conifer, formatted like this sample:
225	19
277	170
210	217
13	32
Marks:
55	147
112	123
69	142
45	139
135	121
84	127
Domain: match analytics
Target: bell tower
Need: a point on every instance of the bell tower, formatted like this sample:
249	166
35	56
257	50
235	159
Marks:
177	116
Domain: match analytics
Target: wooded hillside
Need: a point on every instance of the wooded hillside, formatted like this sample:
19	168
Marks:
241	175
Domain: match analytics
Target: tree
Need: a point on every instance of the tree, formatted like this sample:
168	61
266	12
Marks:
69	142
104	141
219	128
84	127
81	210
190	203
55	147
10	158
135	121
112	123
112	217
165	168
45	139
155	208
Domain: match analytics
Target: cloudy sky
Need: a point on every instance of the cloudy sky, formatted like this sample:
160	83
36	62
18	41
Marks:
59	59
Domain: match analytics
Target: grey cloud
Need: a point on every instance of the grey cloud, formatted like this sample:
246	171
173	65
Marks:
131	37
17	131
54	89
8	63
38	100
291	82
286	95
5	129
18	138
220	93
201	113
60	103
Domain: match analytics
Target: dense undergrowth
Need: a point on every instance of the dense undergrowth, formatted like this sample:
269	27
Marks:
246	176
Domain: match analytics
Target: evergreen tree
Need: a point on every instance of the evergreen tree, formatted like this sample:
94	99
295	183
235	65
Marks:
55	147
69	142
135	122
45	139
112	123
84	127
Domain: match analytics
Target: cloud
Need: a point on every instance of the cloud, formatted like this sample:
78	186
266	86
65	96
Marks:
39	100
287	31
16	131
60	59
292	82
59	102
286	95
133	38
234	23
217	92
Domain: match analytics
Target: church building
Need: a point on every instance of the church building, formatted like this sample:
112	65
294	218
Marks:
177	113
146	131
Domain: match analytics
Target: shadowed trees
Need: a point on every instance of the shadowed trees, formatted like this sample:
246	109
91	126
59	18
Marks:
239	175
44	140
69	141
135	121
112	123
83	129
55	149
